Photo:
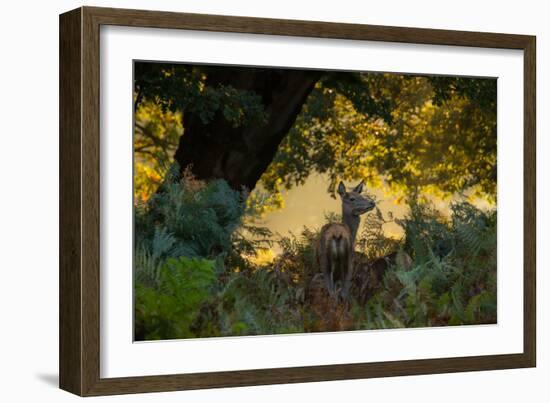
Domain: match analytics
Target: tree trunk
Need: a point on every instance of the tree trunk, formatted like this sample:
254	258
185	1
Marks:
241	155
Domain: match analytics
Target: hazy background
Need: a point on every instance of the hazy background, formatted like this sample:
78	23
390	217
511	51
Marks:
308	204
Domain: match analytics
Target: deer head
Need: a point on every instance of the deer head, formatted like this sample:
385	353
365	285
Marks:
354	204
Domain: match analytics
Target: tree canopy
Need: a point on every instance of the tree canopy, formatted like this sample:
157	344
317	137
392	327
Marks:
412	132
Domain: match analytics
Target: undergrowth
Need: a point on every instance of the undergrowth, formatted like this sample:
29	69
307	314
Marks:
195	275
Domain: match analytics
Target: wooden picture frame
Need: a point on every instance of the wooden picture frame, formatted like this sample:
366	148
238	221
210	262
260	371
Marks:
79	201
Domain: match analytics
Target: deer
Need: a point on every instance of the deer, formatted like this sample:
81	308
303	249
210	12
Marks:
335	248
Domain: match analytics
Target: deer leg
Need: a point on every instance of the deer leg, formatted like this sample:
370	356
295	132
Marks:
346	279
334	265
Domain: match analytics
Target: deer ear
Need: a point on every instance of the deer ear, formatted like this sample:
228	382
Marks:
341	189
359	188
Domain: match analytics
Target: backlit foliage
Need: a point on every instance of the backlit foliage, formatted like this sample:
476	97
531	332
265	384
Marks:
413	134
156	134
428	142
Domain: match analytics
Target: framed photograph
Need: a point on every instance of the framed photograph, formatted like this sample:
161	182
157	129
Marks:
249	201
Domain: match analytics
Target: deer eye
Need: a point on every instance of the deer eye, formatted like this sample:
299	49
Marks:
352	199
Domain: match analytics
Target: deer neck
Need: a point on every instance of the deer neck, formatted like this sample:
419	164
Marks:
352	221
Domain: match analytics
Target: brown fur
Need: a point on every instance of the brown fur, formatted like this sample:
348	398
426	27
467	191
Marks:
335	255
335	249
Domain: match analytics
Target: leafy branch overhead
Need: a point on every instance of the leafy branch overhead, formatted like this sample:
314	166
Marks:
434	139
278	126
